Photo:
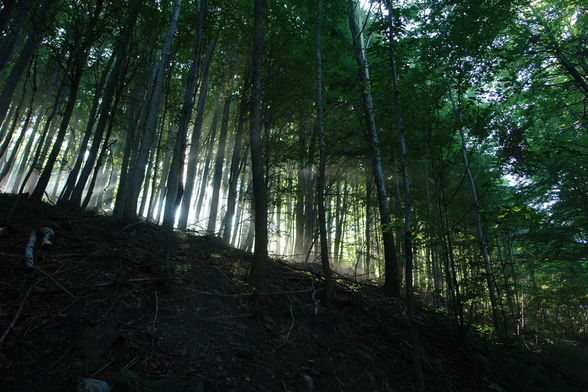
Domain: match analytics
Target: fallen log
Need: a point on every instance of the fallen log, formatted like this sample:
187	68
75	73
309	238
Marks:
30	250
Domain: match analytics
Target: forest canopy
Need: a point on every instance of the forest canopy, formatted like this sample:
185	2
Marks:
437	147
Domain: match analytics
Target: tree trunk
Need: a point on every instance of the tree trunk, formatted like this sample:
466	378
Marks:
137	172
209	150
78	57
498	323
257	272
391	283
75	171
408	255
324	244
105	145
234	171
12	36
24	58
195	140
12	157
175	189
218	167
106	110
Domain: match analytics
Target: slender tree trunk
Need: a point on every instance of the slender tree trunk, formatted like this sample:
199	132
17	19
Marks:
104	150
175	189
120	54
341	210
209	150
24	58
29	146
322	161
75	171
498	323
234	171
195	140
163	184
218	167
137	172
408	247
136	110
12	158
257	272
78	58
13	31
368	228
16	117
300	196
7	121
391	283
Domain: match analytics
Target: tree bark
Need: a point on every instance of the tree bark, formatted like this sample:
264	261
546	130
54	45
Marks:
408	255
137	172
482	241
257	271
322	162
195	140
24	58
78	58
234	171
209	150
175	189
218	167
391	283
75	171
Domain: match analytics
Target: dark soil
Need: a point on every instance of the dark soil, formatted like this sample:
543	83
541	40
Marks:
98	307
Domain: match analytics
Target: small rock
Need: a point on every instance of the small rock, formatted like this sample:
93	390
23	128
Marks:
93	385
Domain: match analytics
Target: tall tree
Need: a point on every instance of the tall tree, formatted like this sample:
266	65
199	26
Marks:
138	168
78	57
175	189
322	160
392	282
257	271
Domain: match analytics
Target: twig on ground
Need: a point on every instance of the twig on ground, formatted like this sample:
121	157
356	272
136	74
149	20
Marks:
102	368
291	324
18	312
315	299
227	317
131	363
56	282
62	356
217	294
131	225
155	319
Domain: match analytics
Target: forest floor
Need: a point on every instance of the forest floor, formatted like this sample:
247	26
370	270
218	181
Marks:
96	306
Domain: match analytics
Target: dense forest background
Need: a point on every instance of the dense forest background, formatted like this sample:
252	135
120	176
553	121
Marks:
435	144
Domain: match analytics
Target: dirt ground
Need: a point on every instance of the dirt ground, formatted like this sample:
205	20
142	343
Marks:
97	306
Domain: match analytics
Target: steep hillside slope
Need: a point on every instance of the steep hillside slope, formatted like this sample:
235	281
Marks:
96	306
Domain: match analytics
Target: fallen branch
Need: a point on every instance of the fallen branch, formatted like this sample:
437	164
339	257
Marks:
30	250
18	312
47	235
217	294
291	324
56	282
